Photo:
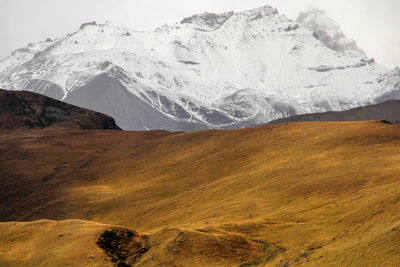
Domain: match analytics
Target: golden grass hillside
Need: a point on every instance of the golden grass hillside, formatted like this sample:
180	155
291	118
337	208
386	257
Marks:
50	243
312	194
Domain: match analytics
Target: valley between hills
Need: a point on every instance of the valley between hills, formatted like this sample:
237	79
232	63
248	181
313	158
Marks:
299	194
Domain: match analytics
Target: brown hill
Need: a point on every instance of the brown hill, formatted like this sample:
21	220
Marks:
387	111
30	110
306	194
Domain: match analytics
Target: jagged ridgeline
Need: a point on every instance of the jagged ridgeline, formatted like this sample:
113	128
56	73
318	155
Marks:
228	70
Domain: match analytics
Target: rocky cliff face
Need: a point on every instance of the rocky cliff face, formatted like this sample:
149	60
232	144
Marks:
227	70
328	31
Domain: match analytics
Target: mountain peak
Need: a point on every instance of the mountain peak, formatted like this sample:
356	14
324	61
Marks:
266	10
328	31
211	21
208	21
226	70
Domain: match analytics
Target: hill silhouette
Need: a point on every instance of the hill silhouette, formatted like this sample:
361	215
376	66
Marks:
387	111
31	110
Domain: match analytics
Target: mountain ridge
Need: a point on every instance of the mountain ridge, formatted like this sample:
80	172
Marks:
254	67
386	111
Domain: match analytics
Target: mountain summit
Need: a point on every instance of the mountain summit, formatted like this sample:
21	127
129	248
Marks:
328	31
227	70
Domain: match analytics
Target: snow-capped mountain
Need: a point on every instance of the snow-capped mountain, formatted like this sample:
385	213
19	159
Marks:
208	71
328	31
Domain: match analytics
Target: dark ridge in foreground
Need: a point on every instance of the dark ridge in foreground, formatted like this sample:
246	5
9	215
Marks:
22	109
388	111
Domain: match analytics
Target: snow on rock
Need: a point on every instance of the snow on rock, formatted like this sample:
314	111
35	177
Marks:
389	83
328	31
225	70
207	21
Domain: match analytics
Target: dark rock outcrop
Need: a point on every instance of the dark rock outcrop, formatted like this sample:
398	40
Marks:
22	109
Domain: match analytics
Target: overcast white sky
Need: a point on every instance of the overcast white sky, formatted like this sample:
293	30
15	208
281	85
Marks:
374	24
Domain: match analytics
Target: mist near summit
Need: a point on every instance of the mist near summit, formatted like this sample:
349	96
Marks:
371	23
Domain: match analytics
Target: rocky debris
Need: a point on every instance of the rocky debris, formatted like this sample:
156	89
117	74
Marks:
362	63
87	24
208	21
188	62
292	27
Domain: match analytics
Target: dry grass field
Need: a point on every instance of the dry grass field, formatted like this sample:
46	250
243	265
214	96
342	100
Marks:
302	194
50	243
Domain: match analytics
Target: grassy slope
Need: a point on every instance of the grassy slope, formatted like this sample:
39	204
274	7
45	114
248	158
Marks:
49	243
326	192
